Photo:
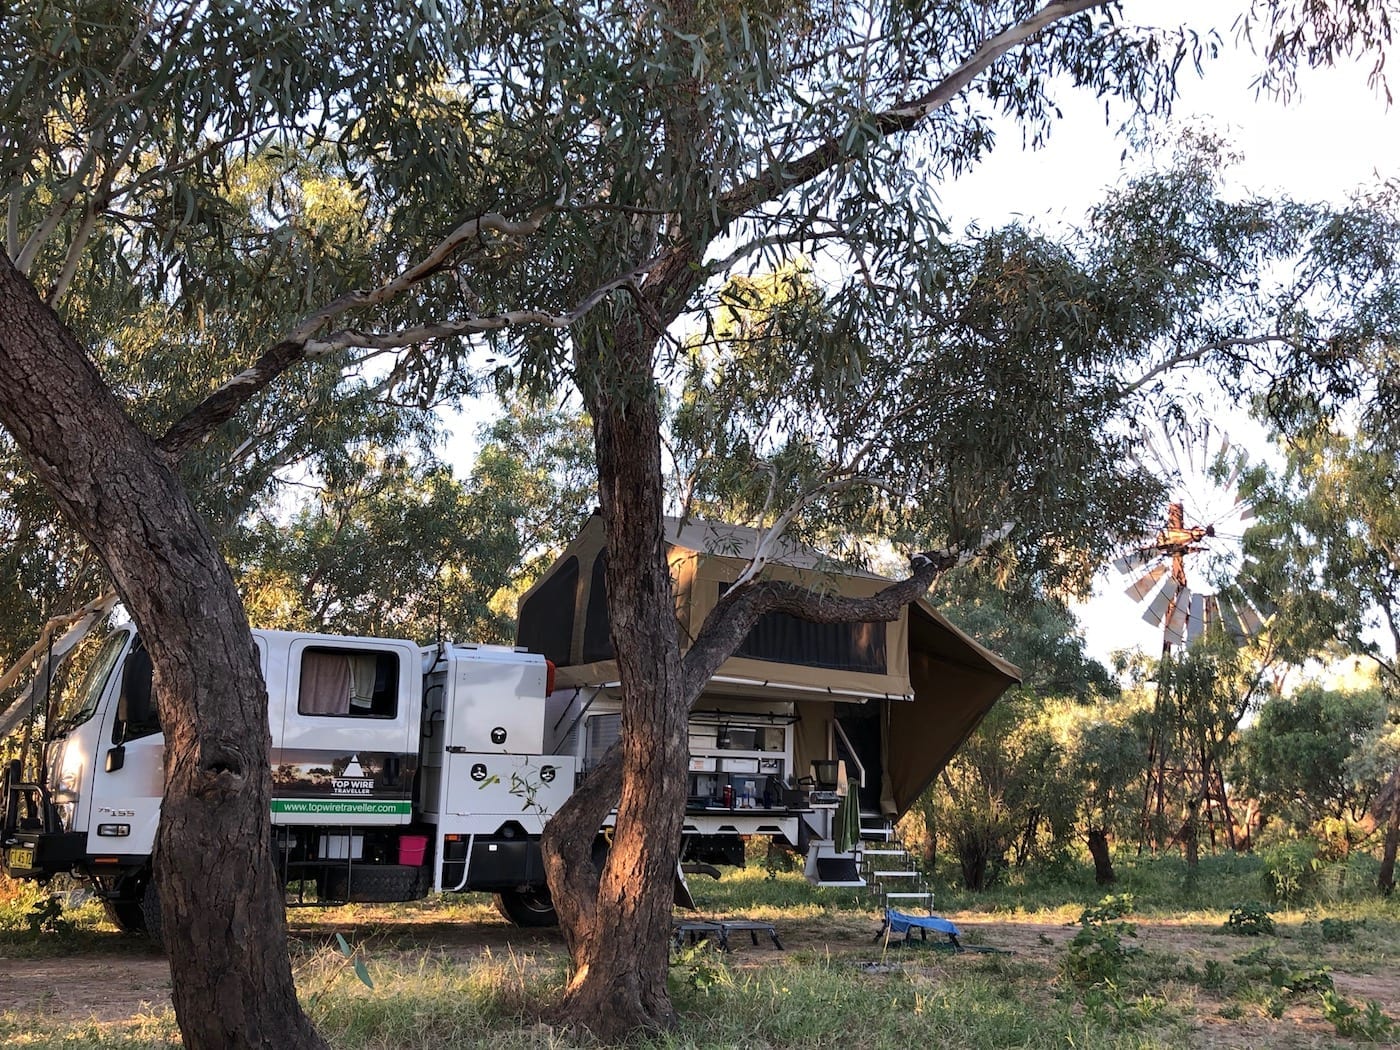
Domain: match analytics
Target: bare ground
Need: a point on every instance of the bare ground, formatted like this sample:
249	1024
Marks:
119	980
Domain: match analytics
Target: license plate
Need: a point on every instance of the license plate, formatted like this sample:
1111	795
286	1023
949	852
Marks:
19	857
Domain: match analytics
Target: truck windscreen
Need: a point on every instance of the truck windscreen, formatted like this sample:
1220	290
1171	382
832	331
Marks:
84	679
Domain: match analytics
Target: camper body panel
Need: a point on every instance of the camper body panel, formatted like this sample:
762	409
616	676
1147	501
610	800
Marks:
344	715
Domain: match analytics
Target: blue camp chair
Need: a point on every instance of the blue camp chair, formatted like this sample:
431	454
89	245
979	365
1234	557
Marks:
898	922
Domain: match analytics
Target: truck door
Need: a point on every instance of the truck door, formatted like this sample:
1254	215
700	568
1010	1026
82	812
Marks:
129	771
347	751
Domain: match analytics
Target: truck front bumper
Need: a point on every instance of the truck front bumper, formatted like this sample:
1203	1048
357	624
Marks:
41	855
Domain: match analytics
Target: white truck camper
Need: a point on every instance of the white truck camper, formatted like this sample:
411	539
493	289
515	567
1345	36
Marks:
397	770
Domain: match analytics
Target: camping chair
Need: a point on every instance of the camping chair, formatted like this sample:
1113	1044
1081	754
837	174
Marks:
903	923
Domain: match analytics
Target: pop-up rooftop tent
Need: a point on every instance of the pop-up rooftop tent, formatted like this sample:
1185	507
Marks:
906	693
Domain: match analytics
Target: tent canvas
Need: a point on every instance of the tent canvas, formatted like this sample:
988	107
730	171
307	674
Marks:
934	683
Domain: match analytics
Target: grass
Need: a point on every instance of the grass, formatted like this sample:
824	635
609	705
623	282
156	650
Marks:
450	974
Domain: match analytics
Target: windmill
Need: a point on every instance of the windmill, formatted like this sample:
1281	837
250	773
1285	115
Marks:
1187	577
1177	573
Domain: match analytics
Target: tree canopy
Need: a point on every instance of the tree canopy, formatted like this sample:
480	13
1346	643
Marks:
367	195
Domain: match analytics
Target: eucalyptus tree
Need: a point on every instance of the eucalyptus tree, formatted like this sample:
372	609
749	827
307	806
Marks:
1296	756
571	179
390	545
1106	751
1328	543
131	136
1203	694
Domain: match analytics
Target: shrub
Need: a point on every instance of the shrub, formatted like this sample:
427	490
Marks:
1369	1023
1249	919
1097	952
1112	907
1289	871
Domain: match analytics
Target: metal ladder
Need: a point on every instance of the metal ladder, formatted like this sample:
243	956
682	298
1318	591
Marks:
889	869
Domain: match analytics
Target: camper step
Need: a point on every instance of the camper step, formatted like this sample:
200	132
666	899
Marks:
909	897
896	874
886	852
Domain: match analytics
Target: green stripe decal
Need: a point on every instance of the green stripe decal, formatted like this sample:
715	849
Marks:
343	806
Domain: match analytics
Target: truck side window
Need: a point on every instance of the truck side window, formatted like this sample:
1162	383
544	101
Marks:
348	683
137	714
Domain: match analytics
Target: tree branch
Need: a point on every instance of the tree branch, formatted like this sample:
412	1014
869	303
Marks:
300	345
83	618
781	178
1192	356
740	607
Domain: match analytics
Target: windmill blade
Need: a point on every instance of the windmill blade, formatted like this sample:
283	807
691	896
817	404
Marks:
1174	630
1156	612
1210	612
1137	558
1233	478
1196	618
1230	620
1250	621
1140	588
1167	456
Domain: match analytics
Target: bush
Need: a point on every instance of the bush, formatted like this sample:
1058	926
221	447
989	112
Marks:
1249	919
1290	870
1369	1023
1097	952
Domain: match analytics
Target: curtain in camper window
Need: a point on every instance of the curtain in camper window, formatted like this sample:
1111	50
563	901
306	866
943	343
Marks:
347	682
363	670
327	682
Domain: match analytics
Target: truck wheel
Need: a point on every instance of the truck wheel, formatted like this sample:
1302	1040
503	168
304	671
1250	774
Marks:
125	915
150	915
531	907
375	883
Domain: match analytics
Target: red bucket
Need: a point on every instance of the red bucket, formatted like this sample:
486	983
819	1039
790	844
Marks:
412	849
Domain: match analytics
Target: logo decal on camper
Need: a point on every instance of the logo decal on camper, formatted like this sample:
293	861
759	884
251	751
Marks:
310	773
352	781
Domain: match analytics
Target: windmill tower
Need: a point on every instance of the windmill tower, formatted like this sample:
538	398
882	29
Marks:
1184	577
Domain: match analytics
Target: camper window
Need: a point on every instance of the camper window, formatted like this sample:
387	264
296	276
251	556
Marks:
603	732
348	683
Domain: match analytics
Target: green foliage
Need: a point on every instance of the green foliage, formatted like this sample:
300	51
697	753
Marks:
1369	1023
1249	919
1339	931
1295	756
1008	798
47	916
1097	952
343	958
1289	871
701	967
1326	520
1112	907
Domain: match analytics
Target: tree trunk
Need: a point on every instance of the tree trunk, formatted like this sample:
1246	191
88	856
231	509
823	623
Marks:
1190	833
1103	858
1385	878
225	930
619	942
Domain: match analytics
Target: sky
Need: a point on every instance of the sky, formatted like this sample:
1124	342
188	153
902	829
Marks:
1335	137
